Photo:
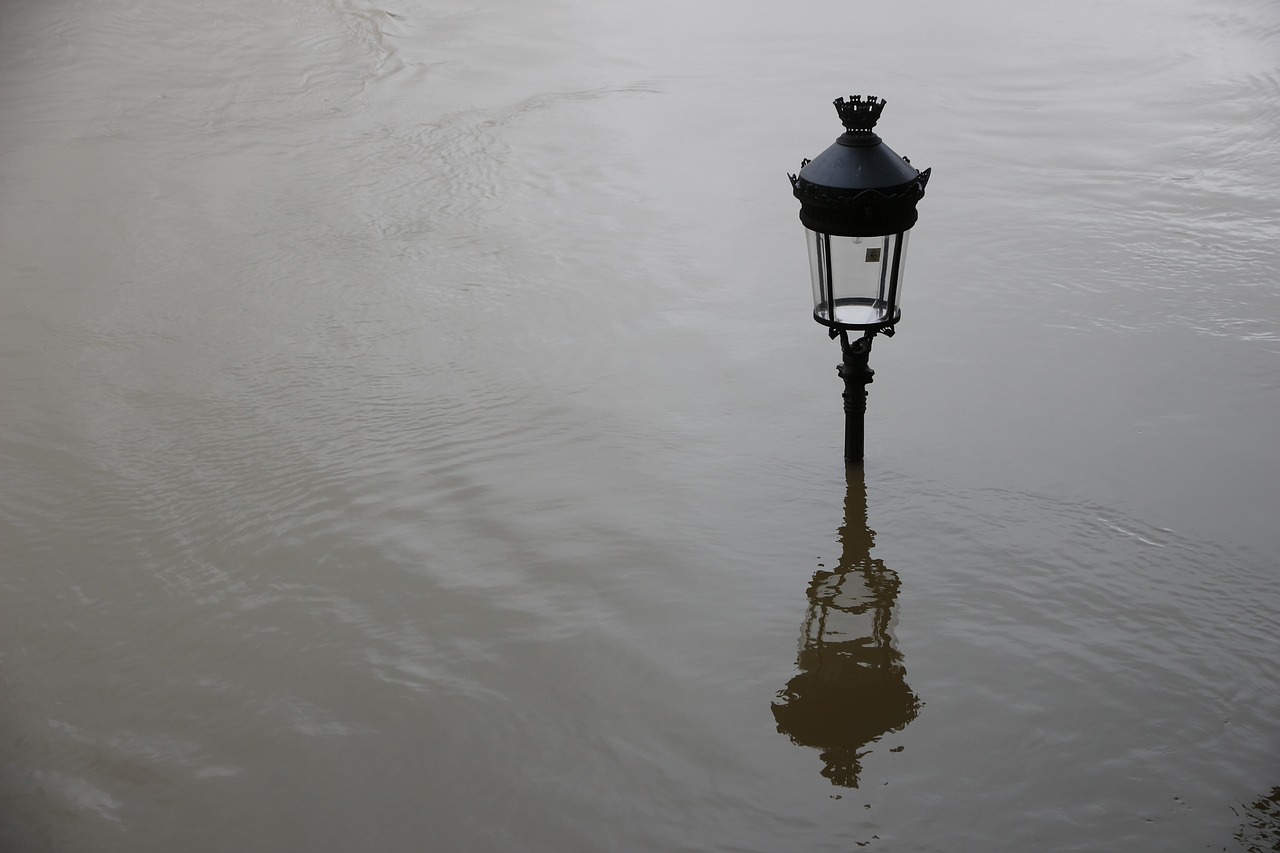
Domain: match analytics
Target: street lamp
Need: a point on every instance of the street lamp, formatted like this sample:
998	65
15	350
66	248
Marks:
858	203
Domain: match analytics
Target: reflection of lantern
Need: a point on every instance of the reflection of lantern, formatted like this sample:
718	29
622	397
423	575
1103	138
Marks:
851	688
858	204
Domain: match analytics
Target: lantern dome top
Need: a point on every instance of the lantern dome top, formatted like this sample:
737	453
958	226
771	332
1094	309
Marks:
859	187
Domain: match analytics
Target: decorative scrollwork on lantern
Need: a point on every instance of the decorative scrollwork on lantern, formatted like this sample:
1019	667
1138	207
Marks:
905	194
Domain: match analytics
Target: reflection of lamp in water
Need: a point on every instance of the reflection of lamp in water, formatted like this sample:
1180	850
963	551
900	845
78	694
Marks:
852	686
1261	830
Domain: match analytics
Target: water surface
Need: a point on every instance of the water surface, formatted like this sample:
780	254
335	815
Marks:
416	437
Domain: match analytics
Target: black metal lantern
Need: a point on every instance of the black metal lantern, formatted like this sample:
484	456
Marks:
858	204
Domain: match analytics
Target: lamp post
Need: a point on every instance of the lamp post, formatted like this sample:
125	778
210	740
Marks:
858	204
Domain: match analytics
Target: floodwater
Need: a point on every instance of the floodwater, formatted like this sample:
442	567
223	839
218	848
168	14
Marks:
415	436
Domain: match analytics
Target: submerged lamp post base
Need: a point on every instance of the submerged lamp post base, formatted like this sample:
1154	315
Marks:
857	374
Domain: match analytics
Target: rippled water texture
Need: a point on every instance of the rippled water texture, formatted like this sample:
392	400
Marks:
415	435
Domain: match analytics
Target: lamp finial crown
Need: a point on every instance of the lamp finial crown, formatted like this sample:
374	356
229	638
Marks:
859	114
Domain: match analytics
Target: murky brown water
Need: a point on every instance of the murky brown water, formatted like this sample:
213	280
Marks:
415	436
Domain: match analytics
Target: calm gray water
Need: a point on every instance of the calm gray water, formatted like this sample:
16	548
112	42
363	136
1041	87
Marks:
415	436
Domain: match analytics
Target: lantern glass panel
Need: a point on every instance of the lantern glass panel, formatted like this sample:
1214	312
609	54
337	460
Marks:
860	276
